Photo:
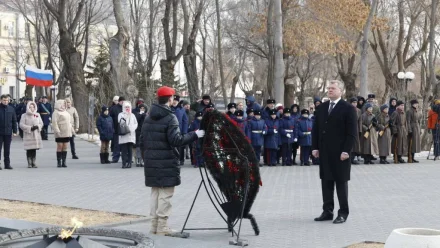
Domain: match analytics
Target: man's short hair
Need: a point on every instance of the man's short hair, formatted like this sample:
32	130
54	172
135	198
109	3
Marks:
4	96
339	83
163	99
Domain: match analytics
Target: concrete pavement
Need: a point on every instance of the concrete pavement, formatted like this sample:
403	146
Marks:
381	197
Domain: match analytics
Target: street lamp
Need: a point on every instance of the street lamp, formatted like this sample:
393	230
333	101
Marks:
405	77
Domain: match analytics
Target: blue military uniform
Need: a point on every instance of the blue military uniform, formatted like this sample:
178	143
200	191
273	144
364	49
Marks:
295	114
257	130
271	140
230	113
250	114
197	148
241	123
45	111
304	131
287	126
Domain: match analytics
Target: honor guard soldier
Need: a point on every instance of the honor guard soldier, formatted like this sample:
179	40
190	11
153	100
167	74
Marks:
384	140
241	122
288	136
45	111
231	110
257	130
271	140
270	105
400	131
369	139
413	117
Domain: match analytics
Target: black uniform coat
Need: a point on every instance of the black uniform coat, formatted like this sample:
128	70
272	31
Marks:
160	136
331	135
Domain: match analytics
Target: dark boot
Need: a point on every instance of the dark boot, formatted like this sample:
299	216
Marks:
101	156
138	162
59	157
413	158
400	160
293	160
63	158
382	160
29	158
367	160
74	156
105	157
34	159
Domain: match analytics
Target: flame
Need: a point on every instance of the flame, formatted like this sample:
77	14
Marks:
65	234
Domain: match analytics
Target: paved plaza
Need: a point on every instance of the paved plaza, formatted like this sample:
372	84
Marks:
382	198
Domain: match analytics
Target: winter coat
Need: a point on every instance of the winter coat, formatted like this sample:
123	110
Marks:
399	131
182	118
369	145
74	118
357	147
131	122
114	114
287	126
257	130
160	138
104	123
391	108
384	141
271	139
61	124
432	119
304	131
333	134
31	139
243	125
413	118
251	104
265	114
198	106
45	115
8	120
140	118
376	109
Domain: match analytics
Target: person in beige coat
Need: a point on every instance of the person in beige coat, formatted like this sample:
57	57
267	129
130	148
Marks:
384	140
369	143
31	124
62	129
74	120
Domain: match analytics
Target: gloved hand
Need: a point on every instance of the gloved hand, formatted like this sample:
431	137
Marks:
295	140
200	133
264	132
288	135
275	131
33	128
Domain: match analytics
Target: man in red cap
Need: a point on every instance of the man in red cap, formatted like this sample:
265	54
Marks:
160	138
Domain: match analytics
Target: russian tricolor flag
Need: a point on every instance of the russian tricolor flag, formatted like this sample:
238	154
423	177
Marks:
38	77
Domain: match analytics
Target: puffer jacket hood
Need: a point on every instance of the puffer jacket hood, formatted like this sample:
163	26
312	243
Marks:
158	111
28	111
250	99
391	99
125	105
60	105
142	105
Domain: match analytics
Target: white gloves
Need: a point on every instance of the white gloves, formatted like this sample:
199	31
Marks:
275	131
200	133
289	136
264	132
295	140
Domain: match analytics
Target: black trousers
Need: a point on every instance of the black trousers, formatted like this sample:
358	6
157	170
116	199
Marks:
126	152
5	143
328	189
72	145
182	153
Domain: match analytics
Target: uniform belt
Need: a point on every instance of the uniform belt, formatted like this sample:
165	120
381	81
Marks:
307	132
257	131
43	113
289	131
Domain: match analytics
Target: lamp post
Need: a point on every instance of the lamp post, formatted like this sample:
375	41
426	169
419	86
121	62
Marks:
405	77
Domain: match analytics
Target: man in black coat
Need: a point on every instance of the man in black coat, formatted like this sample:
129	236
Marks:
8	127
160	138
333	136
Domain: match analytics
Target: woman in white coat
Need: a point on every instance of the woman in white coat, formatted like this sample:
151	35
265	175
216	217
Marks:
127	134
31	124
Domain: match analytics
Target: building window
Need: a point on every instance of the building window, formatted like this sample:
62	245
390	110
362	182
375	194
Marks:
12	91
11	29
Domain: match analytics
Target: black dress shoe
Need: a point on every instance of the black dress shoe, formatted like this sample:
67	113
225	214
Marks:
8	167
339	220
354	162
325	216
74	156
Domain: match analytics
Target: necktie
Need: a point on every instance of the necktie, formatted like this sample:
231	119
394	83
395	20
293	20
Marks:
332	104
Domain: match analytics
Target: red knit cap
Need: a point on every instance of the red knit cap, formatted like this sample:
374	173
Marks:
165	91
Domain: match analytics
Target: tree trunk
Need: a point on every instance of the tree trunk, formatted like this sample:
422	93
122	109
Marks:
365	47
220	56
271	52
289	95
167	72
349	80
190	64
75	73
234	86
433	23
278	47
29	90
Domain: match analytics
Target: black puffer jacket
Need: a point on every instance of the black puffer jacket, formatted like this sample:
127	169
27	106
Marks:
159	138
8	120
114	112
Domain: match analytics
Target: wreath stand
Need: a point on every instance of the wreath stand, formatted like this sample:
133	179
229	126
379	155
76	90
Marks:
220	199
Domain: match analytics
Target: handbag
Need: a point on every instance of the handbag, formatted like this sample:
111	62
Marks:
123	127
